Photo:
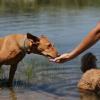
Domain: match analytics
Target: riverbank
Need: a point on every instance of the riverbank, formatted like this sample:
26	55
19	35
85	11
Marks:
30	5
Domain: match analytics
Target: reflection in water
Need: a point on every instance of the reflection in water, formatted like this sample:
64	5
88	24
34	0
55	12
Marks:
89	96
12	94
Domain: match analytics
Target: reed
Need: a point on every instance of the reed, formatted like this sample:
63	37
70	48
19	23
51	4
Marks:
1	73
29	73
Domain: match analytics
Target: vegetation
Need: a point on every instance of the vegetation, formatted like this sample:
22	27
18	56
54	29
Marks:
29	73
1	72
30	5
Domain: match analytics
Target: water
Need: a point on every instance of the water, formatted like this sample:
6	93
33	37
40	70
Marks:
36	78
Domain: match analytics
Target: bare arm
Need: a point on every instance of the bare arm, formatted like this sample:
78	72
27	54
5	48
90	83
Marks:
92	37
87	42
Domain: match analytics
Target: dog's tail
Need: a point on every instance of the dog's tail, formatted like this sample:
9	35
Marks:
88	61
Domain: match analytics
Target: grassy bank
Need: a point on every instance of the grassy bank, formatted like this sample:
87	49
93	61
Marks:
29	5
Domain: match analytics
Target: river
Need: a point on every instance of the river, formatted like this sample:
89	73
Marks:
36	77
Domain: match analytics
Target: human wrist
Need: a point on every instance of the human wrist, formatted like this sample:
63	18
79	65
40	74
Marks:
73	54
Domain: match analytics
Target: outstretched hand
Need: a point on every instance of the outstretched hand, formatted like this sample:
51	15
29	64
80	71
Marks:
61	59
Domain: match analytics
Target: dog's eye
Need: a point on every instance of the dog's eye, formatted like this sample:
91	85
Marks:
49	45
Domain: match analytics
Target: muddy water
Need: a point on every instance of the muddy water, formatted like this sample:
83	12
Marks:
36	78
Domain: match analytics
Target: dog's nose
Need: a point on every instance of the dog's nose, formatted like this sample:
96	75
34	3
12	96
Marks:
58	54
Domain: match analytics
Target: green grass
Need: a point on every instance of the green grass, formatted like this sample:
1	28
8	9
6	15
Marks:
29	73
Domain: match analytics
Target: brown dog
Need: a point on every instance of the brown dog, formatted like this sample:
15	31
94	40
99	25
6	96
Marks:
91	78
14	47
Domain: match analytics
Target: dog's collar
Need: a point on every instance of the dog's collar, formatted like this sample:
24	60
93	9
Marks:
23	44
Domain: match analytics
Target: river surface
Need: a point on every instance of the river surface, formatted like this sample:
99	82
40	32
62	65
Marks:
37	78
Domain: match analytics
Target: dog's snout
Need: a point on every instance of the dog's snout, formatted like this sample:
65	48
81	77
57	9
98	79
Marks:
58	54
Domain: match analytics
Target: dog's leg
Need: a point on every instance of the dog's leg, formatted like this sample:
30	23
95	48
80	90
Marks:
11	74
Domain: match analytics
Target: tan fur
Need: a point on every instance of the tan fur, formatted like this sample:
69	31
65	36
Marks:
14	47
90	80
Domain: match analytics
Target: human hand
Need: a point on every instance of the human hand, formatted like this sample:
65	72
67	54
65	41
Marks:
61	59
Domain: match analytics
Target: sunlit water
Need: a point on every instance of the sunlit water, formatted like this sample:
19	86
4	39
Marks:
37	78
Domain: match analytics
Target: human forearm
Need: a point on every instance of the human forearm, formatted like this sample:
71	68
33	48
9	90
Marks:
92	37
87	42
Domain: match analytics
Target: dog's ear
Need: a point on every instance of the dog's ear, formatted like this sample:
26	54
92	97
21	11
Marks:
34	38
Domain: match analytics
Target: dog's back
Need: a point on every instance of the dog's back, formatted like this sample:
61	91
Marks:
10	48
90	80
1	42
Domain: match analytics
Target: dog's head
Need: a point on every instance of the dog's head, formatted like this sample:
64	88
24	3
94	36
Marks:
88	62
42	46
